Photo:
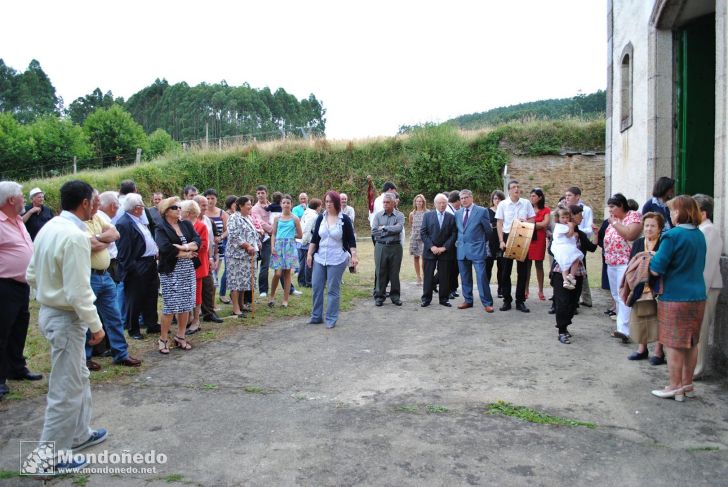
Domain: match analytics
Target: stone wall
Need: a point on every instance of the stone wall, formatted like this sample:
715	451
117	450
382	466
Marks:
554	174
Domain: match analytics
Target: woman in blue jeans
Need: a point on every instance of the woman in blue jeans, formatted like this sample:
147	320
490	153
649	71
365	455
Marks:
332	243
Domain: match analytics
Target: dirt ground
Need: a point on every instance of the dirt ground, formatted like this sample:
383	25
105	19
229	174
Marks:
398	396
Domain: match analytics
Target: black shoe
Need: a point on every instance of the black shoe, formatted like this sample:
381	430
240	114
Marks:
425	304
446	304
505	307
378	302
136	336
397	302
154	329
522	307
584	304
657	360
213	317
638	356
454	294
552	311
500	295
4	390
576	312
26	375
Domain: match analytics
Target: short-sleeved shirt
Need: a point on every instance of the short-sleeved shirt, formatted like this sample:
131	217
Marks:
508	211
616	248
36	221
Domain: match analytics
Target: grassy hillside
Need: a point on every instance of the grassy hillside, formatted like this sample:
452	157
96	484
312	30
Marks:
585	107
426	161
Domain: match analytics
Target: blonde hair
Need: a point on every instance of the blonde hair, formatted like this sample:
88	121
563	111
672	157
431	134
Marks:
190	208
424	202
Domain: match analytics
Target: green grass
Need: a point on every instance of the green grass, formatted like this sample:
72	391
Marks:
703	449
209	386
436	409
255	390
533	416
81	480
172	478
9	474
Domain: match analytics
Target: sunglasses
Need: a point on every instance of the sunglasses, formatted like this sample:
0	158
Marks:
175	207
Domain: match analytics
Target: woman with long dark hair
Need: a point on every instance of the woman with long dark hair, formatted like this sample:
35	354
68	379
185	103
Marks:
537	249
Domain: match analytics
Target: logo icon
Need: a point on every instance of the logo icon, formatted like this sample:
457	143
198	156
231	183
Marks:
37	457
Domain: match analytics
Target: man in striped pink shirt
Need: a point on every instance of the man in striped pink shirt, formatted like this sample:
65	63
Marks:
16	249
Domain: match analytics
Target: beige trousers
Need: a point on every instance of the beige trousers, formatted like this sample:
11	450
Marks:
706	330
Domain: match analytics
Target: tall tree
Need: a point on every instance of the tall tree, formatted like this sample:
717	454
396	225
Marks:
83	106
114	134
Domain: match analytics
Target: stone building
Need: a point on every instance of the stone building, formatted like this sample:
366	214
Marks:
667	102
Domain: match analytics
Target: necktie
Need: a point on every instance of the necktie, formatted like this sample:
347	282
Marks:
439	218
465	220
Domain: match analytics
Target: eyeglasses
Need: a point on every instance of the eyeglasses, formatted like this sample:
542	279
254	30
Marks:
175	207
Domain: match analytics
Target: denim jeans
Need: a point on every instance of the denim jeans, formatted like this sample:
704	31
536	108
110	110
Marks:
223	279
304	272
105	290
329	276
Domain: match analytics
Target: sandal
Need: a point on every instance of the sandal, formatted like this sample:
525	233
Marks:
541	296
163	346
271	304
284	305
182	343
225	300
192	331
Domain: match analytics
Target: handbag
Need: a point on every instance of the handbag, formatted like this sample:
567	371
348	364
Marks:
645	306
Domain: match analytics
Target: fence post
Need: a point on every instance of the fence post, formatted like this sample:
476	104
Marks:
219	143
74	165
207	136
138	158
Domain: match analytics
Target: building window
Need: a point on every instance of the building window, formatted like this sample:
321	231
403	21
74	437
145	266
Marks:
625	79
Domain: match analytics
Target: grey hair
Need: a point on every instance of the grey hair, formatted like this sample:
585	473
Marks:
466	192
132	200
389	197
108	197
440	196
705	203
189	207
8	189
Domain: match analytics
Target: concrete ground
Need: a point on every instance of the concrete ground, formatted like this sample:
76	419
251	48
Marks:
397	396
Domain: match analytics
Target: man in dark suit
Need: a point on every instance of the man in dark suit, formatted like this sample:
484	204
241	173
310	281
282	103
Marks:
438	233
137	266
474	229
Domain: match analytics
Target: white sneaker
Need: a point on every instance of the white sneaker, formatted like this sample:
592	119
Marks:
296	292
263	295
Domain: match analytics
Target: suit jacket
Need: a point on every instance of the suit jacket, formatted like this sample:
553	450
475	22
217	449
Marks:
432	234
131	247
472	242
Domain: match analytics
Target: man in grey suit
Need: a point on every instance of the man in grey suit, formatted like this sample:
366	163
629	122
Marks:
438	233
474	228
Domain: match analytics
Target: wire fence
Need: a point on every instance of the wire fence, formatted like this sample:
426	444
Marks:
62	167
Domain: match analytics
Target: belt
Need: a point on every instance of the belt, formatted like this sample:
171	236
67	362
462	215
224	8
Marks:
151	257
98	272
389	243
9	280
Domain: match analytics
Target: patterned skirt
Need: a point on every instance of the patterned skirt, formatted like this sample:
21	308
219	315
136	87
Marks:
680	322
178	288
286	256
239	272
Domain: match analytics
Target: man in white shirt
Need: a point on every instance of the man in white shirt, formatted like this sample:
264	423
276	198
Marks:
508	210
137	267
712	277
572	196
59	271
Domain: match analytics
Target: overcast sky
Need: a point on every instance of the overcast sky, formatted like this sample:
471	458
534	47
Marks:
374	64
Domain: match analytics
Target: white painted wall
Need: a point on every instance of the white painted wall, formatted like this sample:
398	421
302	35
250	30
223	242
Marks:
629	149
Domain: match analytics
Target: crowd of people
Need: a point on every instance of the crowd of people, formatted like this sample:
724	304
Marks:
99	267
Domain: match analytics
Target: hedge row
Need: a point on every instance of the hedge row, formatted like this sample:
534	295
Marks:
427	161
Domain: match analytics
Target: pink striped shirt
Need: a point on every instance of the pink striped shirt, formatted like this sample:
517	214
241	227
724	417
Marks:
16	248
